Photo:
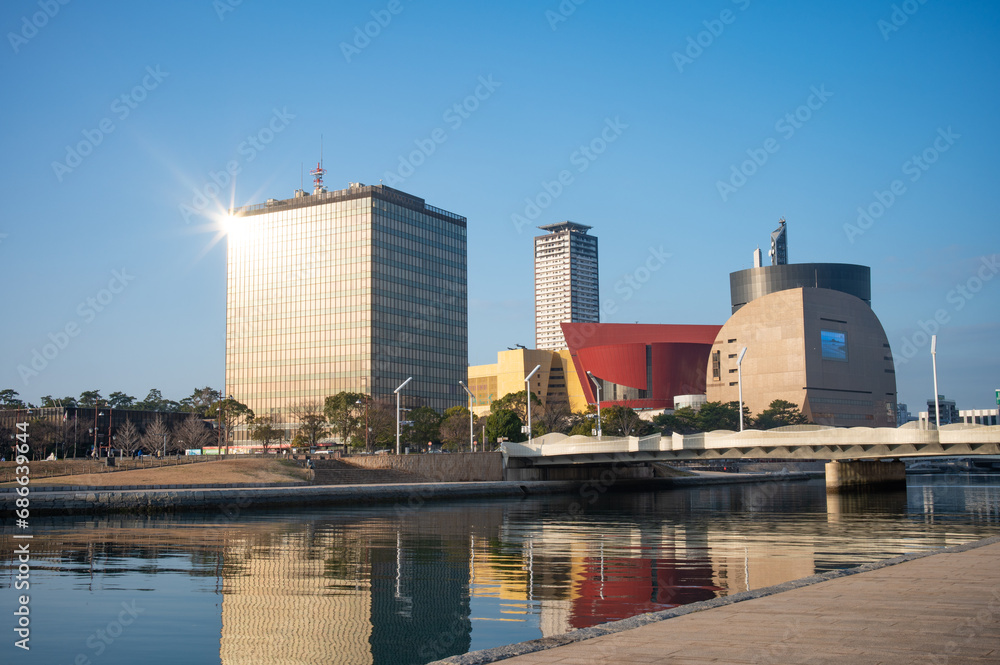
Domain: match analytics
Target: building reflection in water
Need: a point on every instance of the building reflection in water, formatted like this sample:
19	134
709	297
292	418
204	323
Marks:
375	586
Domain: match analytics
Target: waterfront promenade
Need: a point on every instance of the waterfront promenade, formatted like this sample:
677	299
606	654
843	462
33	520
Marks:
941	608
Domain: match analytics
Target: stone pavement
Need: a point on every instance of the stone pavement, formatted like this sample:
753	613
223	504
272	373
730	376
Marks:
942	608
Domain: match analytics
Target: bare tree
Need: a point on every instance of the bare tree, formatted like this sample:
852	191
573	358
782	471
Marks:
191	433
262	430
382	422
455	428
45	437
312	423
555	417
128	438
157	436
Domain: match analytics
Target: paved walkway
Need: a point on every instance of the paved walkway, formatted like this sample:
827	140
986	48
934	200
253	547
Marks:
943	608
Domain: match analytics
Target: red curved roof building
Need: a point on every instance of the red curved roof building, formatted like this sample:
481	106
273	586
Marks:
642	366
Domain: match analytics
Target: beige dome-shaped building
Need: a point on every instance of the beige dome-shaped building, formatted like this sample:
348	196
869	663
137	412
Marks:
821	349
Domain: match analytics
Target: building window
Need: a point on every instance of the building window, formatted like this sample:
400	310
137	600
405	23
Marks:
717	365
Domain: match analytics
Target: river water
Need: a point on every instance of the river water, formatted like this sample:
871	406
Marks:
402	584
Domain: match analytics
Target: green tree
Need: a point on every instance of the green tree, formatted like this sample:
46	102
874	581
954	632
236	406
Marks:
683	421
517	403
263	431
90	398
716	415
9	399
200	401
583	423
341	411
156	402
119	400
231	414
778	414
503	423
312	424
619	420
425	427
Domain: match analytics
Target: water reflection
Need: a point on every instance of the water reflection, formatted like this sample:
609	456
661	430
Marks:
384	586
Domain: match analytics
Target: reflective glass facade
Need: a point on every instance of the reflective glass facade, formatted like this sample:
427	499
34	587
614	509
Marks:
354	290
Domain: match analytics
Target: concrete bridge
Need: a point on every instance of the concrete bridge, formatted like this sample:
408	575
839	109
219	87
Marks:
856	454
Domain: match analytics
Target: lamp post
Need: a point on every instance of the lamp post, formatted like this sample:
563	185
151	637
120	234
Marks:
598	386
527	396
472	434
367	429
230	399
97	449
937	402
94	454
739	374
397	410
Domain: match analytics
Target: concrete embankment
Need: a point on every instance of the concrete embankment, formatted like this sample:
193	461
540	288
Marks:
89	501
930	607
112	500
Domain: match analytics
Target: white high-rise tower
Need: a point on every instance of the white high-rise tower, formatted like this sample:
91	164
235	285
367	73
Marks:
566	282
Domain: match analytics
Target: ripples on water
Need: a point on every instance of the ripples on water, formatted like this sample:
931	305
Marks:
389	585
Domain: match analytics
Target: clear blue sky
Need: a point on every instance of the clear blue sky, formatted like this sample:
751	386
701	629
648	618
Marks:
198	80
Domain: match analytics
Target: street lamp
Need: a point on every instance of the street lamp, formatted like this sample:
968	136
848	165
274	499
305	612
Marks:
739	374
472	434
937	403
397	410
527	396
97	451
367	428
598	386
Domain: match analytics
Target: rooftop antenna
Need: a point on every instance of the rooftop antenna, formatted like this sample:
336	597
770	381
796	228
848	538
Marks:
317	173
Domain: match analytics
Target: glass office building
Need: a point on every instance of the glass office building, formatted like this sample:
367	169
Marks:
350	290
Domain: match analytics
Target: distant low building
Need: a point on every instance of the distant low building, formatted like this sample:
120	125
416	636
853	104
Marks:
556	381
951	415
903	415
82	428
948	409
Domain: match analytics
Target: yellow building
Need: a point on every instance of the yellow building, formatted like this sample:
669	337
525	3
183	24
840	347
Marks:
556	381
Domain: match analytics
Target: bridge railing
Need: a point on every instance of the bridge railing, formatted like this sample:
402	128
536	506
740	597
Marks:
782	437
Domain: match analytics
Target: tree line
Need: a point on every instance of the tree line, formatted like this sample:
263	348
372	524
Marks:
363	422
73	437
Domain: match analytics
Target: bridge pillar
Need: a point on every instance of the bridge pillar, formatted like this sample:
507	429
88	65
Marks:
858	474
